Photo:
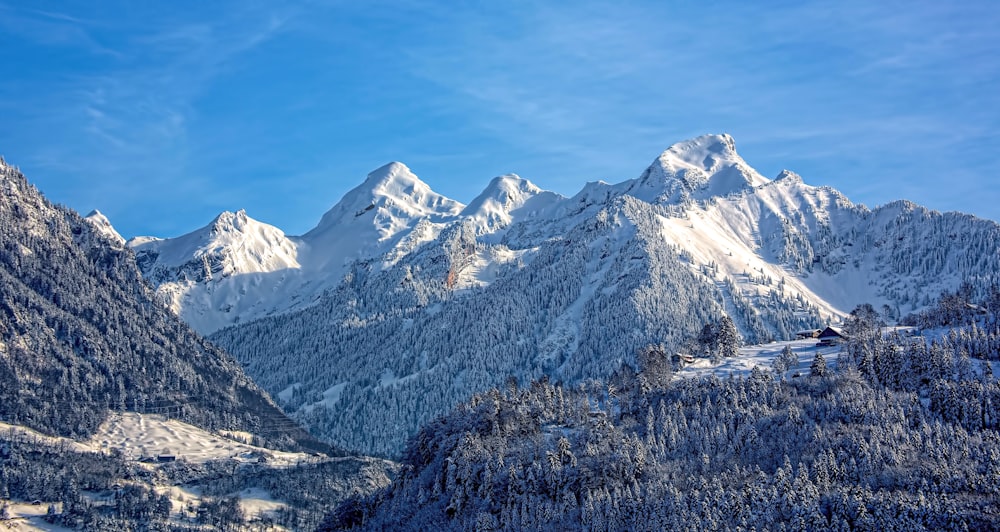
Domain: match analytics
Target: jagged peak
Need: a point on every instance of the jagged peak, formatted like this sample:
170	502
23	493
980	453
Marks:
698	168
6	167
225	227
97	219
392	186
230	221
504	195
694	151
11	174
788	176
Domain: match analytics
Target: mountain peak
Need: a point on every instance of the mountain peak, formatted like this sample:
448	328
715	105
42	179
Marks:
394	187
694	151
394	180
504	195
228	221
510	184
103	226
373	216
389	172
788	176
698	168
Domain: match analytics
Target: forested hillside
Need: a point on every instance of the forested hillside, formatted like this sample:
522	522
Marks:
89	490
81	334
392	349
903	433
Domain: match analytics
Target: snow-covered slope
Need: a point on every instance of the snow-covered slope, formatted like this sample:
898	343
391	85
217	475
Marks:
506	198
81	334
238	269
104	226
139	436
700	168
407	302
373	217
232	268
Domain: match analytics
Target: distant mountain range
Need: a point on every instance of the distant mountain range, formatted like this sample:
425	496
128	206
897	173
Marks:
403	302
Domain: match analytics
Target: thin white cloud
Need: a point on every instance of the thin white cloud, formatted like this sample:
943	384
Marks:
602	83
128	118
567	92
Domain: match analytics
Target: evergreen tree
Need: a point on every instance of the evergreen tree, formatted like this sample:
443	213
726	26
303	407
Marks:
818	366
655	365
729	337
786	360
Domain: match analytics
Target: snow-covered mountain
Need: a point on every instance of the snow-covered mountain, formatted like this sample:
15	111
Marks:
98	381
81	334
372	218
402	303
507	198
104	226
701	168
238	269
215	275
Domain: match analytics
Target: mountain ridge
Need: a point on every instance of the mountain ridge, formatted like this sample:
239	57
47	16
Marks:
392	207
380	340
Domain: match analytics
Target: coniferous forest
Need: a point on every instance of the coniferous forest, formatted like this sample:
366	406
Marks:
81	334
900	434
82	338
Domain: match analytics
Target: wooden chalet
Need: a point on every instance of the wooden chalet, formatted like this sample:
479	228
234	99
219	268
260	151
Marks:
831	336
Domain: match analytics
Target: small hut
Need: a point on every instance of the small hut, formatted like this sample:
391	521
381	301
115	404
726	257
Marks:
807	334
831	336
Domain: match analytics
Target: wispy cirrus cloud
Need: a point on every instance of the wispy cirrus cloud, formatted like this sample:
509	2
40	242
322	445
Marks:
894	89
239	104
123	110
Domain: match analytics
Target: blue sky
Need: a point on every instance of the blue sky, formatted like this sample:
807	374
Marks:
163	114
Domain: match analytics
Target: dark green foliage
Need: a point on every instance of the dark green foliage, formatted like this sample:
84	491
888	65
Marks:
655	366
720	339
785	361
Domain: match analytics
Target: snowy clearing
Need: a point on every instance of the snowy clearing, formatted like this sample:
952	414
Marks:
762	356
28	516
140	436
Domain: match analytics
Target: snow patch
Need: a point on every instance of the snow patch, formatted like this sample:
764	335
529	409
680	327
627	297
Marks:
139	436
286	394
761	356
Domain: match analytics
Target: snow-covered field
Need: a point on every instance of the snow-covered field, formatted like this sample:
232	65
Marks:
253	501
762	356
256	501
140	436
29	516
148	437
